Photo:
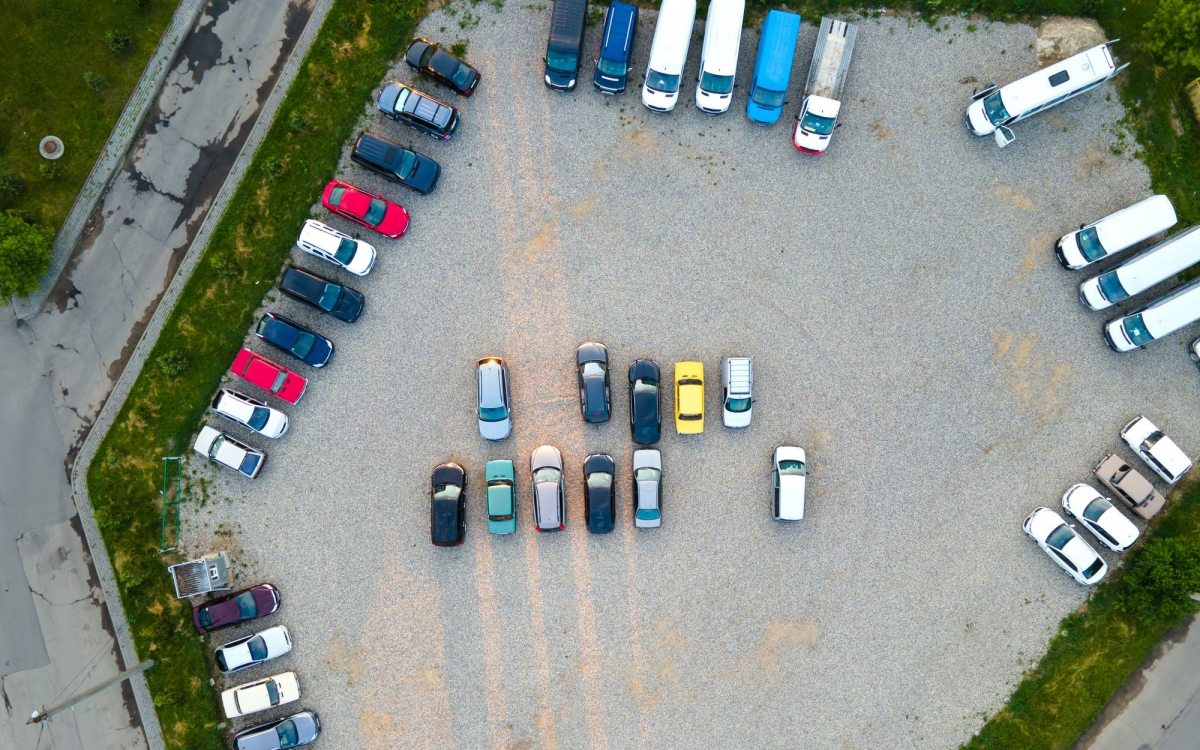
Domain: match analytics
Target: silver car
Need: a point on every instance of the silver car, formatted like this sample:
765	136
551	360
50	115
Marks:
296	730
495	401
549	502
647	488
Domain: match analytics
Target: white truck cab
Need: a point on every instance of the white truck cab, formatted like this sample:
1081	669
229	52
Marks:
737	385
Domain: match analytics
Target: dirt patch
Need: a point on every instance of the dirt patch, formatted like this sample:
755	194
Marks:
881	132
1037	255
1009	195
1095	162
781	637
1060	37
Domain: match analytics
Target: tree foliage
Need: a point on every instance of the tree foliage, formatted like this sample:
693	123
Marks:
24	254
1173	33
1163	578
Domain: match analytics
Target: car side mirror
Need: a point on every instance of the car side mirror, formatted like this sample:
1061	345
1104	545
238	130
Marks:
837	126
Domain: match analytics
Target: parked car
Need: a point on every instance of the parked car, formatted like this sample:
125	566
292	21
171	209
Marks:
616	46
366	209
647	488
1125	482
737	391
1065	547
501	496
254	649
296	730
418	109
262	372
689	398
599	495
396	163
328	296
250	412
645	416
591	366
434	61
1158	451
294	339
269	692
242	606
1110	527
340	249
565	45
790	468
494	405
448	505
229	452
549	497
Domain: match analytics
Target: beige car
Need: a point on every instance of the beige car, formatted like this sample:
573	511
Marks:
1126	483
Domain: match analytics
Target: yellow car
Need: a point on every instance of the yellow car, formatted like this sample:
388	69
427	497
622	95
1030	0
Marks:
689	397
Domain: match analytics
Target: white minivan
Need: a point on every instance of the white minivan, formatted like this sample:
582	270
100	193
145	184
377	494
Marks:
719	55
1116	232
668	54
1153	265
1151	322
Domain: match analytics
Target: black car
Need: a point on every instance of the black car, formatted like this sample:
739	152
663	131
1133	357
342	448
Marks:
299	729
645	417
448	505
429	58
396	163
341	302
599	498
565	45
406	104
293	338
595	401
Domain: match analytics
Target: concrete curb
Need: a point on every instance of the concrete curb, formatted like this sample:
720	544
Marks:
124	383
127	128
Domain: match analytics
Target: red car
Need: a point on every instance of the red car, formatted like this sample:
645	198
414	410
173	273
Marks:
249	604
370	210
269	376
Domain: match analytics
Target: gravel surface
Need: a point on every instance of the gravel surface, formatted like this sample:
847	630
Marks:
909	326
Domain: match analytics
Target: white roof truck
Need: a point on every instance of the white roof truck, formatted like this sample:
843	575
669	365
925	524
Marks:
823	89
737	385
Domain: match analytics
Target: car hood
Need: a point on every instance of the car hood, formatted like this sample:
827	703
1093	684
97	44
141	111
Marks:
349	305
495	430
977	120
545	456
426	174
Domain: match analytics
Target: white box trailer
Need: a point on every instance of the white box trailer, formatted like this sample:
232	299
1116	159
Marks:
823	89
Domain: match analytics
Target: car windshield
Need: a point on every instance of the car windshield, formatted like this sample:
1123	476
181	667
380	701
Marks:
329	297
258	417
249	463
493	413
408	163
1095	509
611	67
691	381
258	648
288	736
768	98
792	467
647	514
715	84
246	605
1093	569
445	492
205	617
335	195
817	124
592	369
993	107
1089	244
345	251
563	61
656	81
1135	329
375	212
273	692
1060	536
1111	287
461	75
215	448
645	384
401	98
304	344
599	480
738	404
547	474
647	474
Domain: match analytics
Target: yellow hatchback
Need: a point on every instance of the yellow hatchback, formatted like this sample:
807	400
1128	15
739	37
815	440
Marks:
689	397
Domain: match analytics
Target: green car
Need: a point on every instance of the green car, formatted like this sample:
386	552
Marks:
501	497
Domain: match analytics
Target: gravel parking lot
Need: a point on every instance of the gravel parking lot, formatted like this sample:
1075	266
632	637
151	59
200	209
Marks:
909	327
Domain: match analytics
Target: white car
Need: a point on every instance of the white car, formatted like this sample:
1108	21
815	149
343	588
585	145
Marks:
1156	449
1064	546
647	489
790	468
338	248
1109	525
250	412
219	447
252	650
260	695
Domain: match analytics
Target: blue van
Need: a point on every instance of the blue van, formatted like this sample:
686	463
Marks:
773	67
612	67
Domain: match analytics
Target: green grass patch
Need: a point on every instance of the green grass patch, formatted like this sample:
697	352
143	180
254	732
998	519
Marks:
67	68
350	56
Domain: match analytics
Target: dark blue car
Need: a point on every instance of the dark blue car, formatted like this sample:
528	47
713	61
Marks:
616	46
306	346
341	302
645	417
591	370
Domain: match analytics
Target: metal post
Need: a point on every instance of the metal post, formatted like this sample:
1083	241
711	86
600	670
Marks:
38	717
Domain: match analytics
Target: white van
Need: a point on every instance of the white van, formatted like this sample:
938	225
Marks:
1162	317
668	54
995	108
1115	232
719	55
1152	266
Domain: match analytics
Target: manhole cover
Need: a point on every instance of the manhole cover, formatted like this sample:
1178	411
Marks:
50	147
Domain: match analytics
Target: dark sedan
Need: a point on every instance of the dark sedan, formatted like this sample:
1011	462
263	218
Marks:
296	730
293	338
434	61
341	302
599	498
250	604
645	417
448	505
595	400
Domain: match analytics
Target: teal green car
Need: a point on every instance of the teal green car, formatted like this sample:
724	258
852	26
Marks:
501	497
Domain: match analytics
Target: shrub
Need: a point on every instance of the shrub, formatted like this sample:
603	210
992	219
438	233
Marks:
95	81
118	42
1161	581
459	48
12	185
1173	33
298	123
171	363
24	254
52	171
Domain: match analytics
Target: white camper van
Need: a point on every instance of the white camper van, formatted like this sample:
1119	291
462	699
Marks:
1149	267
995	108
719	55
1162	317
668	54
1116	232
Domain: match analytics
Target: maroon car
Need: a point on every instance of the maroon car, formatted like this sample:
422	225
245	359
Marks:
250	604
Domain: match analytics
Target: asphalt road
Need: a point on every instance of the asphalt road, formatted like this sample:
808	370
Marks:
909	327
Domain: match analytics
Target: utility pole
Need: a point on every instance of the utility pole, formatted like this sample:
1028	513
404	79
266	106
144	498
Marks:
39	716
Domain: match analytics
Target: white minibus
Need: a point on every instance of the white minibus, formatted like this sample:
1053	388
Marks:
1153	265
668	54
719	55
1116	232
1162	317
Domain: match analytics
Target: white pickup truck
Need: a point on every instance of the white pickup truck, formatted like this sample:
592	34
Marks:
737	385
823	89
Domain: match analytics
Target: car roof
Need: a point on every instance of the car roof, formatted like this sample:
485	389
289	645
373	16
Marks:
233	404
547	504
691	399
491	373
